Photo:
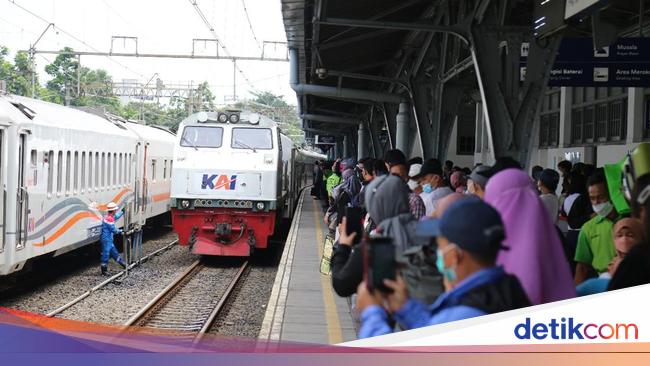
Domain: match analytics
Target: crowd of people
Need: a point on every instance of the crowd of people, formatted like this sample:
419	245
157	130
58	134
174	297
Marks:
474	242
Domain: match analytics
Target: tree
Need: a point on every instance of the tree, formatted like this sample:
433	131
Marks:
64	75
16	75
202	99
268	98
276	108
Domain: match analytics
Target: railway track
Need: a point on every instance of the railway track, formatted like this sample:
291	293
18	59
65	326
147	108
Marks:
109	280
192	302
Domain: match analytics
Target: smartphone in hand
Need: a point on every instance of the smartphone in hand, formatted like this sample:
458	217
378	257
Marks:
353	223
380	263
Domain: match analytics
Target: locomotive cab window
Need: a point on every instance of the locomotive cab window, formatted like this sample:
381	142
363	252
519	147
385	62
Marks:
252	138
202	136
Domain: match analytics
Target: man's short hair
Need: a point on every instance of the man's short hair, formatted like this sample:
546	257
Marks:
380	167
394	157
565	165
597	178
369	165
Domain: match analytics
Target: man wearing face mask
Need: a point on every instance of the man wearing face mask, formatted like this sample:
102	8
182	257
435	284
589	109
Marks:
595	248
469	236
433	185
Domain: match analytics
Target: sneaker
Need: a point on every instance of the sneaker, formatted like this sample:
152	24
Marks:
121	263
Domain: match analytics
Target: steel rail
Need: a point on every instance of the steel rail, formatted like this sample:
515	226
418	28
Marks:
107	281
156	301
217	309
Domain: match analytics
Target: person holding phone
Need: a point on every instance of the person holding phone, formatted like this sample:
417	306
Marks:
469	236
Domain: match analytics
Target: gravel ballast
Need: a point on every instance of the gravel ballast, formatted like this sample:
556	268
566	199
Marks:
55	281
115	303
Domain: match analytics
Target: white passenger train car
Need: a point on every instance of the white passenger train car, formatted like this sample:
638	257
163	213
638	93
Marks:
235	176
61	166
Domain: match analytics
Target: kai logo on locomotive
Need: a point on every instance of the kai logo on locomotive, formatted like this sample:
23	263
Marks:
216	181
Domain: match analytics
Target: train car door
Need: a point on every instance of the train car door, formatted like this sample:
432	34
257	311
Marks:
145	182
22	199
3	194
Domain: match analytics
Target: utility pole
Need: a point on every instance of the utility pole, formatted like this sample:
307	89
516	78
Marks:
190	107
234	80
32	57
142	98
78	76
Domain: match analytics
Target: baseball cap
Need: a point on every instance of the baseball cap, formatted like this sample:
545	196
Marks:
430	166
480	175
414	170
471	224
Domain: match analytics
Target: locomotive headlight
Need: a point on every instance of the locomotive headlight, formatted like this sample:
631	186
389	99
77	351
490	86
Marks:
185	204
223	118
260	205
233	118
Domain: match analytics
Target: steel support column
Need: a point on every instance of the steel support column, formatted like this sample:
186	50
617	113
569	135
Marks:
422	107
509	106
402	130
362	145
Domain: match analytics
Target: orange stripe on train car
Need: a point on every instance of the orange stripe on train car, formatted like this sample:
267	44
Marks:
66	227
161	197
115	199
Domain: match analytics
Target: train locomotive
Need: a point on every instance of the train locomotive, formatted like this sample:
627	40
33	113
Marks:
60	166
235	177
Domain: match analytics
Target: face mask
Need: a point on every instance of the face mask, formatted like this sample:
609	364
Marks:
448	273
603	209
412	184
427	188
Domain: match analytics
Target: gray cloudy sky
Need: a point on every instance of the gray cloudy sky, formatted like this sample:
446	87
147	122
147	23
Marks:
163	26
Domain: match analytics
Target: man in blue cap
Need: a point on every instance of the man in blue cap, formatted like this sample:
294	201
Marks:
469	236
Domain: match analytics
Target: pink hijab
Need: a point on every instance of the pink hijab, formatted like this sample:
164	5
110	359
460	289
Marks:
536	255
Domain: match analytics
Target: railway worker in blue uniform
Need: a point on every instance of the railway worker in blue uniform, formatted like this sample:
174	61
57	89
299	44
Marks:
106	239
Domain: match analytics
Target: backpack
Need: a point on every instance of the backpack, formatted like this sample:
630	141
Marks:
418	269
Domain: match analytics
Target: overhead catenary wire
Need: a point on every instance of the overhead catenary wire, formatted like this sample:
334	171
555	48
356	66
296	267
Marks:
215	36
72	36
250	25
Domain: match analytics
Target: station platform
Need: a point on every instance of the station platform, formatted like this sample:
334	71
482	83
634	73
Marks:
303	306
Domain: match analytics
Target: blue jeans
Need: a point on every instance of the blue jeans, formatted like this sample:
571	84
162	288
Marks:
109	251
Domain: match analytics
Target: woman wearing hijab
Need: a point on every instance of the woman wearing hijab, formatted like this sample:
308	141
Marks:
536	255
627	233
387	204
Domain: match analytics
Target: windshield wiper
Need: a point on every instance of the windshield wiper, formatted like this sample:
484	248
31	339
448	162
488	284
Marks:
244	145
189	142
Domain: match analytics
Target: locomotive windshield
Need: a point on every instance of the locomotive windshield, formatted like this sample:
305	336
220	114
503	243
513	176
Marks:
202	136
252	138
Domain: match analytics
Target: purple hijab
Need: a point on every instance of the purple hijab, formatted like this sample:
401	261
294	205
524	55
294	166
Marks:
536	255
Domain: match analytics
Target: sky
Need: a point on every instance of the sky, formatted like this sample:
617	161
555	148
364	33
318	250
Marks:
161	26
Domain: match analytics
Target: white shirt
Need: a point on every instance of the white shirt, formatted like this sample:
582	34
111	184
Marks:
431	199
551	203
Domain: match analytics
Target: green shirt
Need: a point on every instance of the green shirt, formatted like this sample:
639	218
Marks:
332	181
595	243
